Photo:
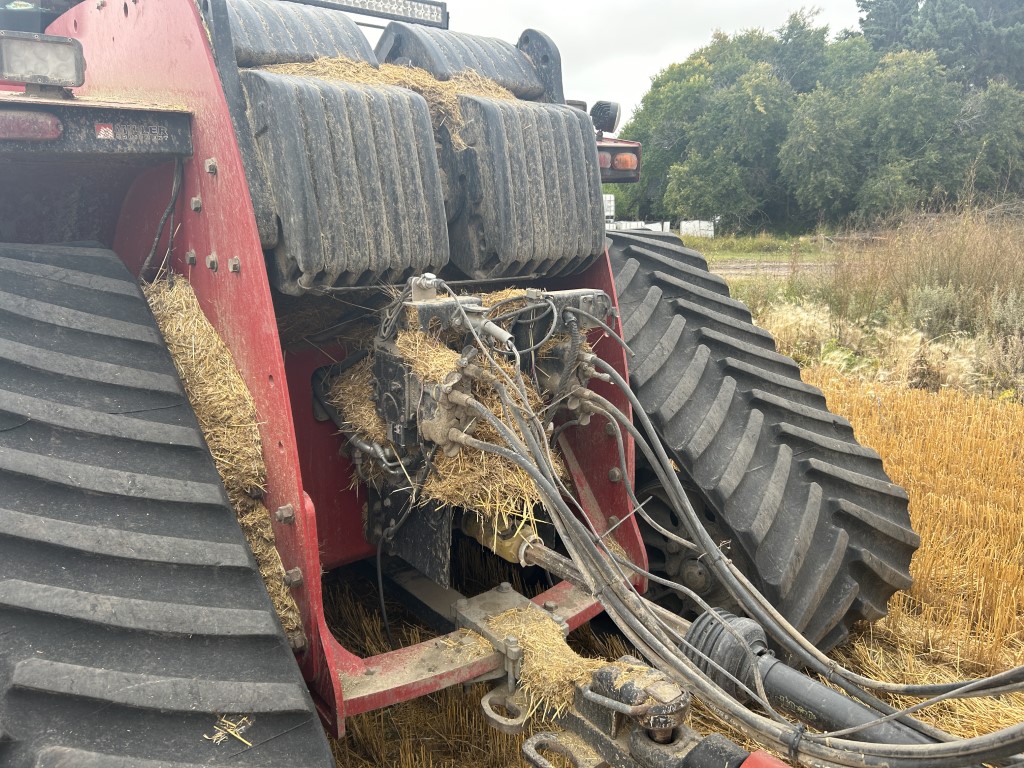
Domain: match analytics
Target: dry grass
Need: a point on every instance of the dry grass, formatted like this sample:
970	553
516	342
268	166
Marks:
551	669
475	480
228	419
936	302
959	458
442	96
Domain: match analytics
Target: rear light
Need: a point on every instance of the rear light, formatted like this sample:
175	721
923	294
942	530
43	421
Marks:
604	159
41	59
22	125
625	161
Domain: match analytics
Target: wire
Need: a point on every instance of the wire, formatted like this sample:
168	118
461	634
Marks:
175	190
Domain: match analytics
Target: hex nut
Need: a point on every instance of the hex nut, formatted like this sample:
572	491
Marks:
285	514
293	577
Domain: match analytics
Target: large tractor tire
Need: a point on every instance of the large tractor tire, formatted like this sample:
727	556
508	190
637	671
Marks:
810	515
132	614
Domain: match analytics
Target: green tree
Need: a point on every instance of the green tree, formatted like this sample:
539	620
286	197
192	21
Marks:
801	54
676	99
847	62
996	140
887	24
819	158
977	40
731	166
915	153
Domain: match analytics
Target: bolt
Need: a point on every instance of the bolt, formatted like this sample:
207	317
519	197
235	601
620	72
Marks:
190	258
387	502
292	578
550	605
511	645
196	204
211	166
504	587
297	640
615	475
285	514
235	264
557	618
609	429
371	671
211	262
101	4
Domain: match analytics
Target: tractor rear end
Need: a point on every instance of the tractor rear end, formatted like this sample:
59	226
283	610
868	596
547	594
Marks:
337	214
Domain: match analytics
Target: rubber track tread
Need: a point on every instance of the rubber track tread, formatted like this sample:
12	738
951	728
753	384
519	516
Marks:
820	526
132	612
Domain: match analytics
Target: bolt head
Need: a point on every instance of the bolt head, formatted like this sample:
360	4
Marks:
196	203
190	258
293	577
550	605
609	429
615	475
211	261
285	514
504	587
235	264
211	166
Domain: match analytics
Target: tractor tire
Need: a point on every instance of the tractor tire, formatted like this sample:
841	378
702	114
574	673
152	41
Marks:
132	614
811	515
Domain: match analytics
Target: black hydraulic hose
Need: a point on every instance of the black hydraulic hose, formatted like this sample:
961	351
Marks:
730	579
826	709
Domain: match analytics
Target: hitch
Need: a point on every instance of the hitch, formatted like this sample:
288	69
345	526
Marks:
628	721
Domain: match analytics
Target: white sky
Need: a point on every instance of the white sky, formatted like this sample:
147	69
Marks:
611	50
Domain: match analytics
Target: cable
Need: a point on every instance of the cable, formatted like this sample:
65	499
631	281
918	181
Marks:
175	189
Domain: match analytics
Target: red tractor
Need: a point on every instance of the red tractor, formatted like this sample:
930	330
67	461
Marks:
679	461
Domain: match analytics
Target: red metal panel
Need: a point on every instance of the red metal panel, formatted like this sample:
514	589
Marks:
325	471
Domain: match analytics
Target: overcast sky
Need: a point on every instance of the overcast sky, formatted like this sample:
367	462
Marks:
611	50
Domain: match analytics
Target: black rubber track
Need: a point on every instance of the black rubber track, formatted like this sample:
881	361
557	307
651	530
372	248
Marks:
824	532
131	610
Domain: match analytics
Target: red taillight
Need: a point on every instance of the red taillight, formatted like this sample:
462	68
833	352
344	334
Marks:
23	125
624	161
604	159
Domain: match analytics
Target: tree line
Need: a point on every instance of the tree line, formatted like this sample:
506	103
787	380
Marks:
919	109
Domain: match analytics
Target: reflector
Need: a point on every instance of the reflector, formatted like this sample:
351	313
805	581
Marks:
625	161
23	125
604	159
41	59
